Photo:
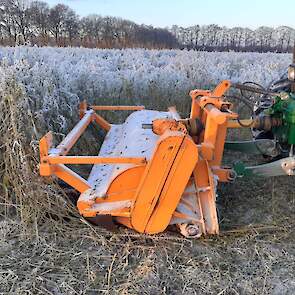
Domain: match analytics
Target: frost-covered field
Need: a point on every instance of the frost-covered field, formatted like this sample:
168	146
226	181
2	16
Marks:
56	78
143	69
119	73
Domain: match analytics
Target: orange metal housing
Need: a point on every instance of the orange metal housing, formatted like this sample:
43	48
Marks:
150	178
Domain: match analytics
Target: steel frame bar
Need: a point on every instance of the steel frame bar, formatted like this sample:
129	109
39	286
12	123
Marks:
93	160
117	108
104	124
65	146
71	178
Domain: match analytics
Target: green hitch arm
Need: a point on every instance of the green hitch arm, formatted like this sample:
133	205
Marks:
285	166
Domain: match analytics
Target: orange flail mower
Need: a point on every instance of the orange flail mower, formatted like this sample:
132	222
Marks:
155	169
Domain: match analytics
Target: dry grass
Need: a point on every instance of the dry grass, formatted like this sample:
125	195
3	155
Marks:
24	195
45	248
84	260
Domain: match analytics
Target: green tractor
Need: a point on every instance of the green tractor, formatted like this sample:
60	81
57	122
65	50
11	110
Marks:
273	126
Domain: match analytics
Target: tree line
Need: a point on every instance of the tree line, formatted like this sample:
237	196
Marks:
35	23
215	38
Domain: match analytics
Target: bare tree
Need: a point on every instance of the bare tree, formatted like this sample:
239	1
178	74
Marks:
71	22
57	21
38	14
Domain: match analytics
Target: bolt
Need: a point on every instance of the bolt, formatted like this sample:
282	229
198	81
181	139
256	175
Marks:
193	231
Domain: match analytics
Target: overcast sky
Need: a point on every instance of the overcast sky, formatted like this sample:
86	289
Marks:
162	13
